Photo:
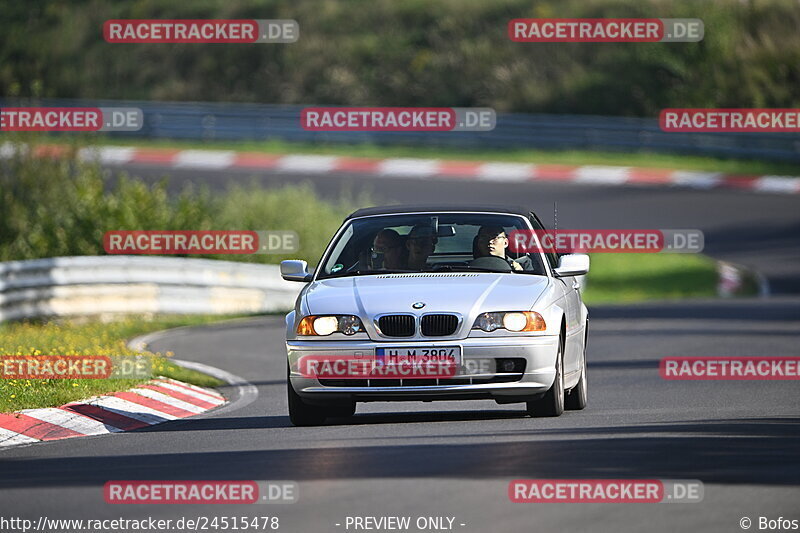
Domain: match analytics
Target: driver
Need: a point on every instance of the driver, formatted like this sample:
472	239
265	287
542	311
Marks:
492	241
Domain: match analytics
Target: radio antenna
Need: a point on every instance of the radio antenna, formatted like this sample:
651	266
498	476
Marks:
555	215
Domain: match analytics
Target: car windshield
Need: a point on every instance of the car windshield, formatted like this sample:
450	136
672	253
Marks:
449	242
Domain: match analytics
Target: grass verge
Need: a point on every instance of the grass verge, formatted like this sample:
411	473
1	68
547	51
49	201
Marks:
629	278
543	157
89	338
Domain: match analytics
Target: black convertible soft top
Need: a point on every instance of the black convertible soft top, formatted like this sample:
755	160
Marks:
439	208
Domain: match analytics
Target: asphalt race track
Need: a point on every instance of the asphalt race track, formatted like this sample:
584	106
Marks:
456	459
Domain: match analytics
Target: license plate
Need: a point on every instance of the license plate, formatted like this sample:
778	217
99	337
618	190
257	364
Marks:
414	355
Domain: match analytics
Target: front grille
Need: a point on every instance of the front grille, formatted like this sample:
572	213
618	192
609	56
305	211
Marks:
397	325
439	325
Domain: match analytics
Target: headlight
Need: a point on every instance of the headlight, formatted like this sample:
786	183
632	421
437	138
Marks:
511	321
326	324
515	321
488	321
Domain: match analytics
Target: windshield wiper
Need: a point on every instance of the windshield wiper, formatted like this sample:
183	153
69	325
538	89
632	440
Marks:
364	272
466	268
436	268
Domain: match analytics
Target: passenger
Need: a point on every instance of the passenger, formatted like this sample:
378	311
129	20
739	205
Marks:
420	242
389	244
492	241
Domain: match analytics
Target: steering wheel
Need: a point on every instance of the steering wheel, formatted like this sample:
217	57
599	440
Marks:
492	262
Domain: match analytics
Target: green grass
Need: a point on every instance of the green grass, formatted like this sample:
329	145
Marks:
544	157
629	278
86	338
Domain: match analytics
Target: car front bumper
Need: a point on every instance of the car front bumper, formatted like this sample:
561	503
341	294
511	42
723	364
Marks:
539	353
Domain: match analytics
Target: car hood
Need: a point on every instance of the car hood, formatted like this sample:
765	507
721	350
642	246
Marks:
466	293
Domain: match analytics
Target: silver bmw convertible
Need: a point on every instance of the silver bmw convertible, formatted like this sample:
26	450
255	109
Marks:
431	303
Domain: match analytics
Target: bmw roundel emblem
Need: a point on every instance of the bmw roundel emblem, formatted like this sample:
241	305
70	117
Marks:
418	305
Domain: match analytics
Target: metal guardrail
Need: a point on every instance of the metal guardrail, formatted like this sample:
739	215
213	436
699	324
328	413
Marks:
111	285
233	122
107	285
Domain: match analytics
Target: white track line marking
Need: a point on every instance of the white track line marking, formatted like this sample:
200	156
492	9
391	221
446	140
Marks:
247	391
214	395
697	180
111	155
602	175
782	184
505	172
132	410
74	421
308	163
169	400
190	392
409	167
9	438
205	159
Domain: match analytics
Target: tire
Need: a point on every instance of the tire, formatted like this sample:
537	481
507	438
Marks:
552	403
579	395
300	413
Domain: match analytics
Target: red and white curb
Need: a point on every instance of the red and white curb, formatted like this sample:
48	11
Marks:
425	168
159	400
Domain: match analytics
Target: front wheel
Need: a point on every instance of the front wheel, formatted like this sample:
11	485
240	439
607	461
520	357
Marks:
552	403
300	413
579	395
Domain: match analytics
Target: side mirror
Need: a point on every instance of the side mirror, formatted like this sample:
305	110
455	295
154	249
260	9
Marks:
572	265
294	270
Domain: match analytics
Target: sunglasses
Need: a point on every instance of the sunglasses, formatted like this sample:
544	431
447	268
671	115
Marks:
495	238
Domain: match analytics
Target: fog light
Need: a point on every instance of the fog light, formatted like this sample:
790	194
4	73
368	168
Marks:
508	365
